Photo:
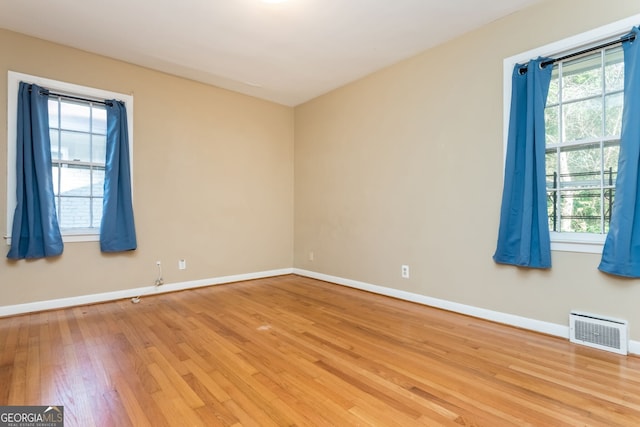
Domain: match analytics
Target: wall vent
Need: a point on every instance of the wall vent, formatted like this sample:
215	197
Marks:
599	332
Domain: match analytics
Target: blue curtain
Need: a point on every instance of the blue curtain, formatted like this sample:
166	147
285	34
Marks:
117	230
621	254
35	232
523	236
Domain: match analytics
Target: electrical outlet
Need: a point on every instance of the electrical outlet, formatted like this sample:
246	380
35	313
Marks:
182	264
404	270
158	263
311	256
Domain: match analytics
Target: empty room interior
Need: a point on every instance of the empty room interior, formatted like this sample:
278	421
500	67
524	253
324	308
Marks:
319	196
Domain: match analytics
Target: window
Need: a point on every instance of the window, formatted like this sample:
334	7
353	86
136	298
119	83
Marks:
78	149
583	117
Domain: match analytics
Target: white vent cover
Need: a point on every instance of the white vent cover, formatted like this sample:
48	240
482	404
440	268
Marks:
598	332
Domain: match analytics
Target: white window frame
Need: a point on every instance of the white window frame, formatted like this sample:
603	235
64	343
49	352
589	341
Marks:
14	79
570	242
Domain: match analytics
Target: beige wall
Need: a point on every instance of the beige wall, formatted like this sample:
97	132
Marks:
213	180
405	167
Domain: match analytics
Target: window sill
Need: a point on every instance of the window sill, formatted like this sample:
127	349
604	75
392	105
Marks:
578	242
71	237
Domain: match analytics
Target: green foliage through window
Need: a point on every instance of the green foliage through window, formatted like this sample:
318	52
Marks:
583	119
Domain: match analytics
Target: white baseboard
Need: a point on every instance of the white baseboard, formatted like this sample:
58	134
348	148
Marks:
495	316
12	310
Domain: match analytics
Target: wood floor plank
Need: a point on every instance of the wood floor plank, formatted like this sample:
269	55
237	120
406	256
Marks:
213	412
176	381
207	381
136	414
294	351
176	412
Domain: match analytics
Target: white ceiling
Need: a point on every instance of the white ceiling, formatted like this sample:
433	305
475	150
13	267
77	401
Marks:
287	52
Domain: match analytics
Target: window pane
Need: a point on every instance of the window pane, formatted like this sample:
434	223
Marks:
609	195
75	181
613	114
97	212
554	88
75	116
582	77
55	170
582	120
611	152
55	144
551	165
75	146
53	113
614	69
99	124
580	211
551	210
552	135
99	153
98	182
75	212
580	167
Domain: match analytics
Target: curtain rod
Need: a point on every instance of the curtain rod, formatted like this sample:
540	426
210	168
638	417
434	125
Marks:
45	91
630	37
77	98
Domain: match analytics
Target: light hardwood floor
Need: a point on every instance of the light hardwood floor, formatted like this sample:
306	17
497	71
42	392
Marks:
296	351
